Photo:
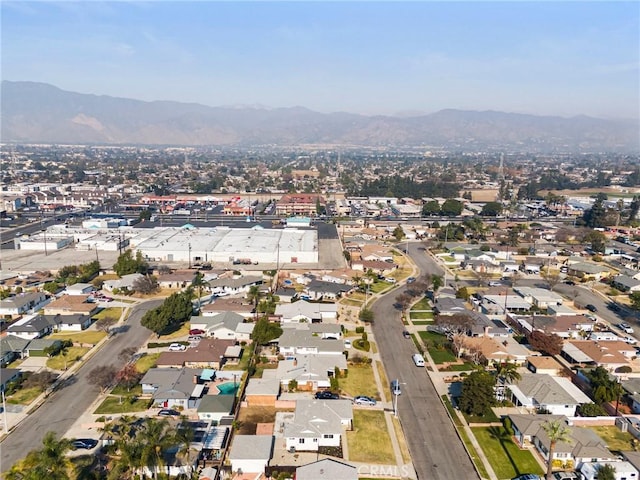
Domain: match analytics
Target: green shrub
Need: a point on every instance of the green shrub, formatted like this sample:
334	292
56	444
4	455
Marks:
359	329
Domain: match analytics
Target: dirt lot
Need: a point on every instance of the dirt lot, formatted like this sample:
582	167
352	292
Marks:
249	417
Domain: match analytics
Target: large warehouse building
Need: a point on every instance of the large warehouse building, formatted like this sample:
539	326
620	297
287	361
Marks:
224	244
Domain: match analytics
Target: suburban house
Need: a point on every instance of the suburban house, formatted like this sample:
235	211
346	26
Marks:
225	326
22	303
493	350
555	395
173	387
232	286
213	408
125	282
585	445
223	305
310	372
302	311
12	347
588	271
250	454
623	470
327	469
286	294
71	305
70	323
79	289
319	290
539	297
449	306
8	375
209	353
38	346
318	423
176	279
625	283
34	326
631	387
262	392
303	342
544	365
608	354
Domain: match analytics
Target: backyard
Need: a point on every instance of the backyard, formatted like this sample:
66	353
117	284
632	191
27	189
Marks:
249	417
616	439
359	381
369	441
505	457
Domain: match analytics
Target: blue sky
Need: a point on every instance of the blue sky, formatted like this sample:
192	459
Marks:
543	57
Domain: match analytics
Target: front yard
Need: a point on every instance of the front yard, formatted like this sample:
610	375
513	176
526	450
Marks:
24	396
438	347
505	457
123	404
359	381
369	441
64	361
146	361
88	337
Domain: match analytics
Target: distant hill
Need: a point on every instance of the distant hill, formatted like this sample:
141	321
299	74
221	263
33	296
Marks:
41	113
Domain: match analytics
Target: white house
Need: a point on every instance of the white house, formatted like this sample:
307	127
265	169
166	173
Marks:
624	470
250	453
79	289
224	326
126	281
303	342
302	311
318	423
556	395
22	303
311	372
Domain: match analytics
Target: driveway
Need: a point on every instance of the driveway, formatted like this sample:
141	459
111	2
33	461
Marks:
33	364
436	450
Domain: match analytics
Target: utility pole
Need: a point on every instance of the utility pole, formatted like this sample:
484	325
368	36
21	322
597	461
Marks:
189	255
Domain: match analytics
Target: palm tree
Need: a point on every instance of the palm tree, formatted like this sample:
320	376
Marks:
50	462
157	438
184	435
198	282
506	372
254	297
557	431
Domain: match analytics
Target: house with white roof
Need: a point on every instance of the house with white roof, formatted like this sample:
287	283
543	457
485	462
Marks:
311	372
318	423
302	311
539	297
303	342
224	326
623	470
538	392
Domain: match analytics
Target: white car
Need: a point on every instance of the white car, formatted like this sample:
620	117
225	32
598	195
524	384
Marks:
177	347
625	327
630	340
347	344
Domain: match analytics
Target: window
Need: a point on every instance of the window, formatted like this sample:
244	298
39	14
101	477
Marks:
315	440
301	440
327	436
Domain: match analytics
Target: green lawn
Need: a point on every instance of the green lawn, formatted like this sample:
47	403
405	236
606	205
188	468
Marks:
60	361
465	367
91	337
359	381
121	390
144	363
183	331
383	380
441	356
421	323
423	304
421	315
379	287
369	441
437	344
24	396
111	312
506	458
615	439
490	417
116	404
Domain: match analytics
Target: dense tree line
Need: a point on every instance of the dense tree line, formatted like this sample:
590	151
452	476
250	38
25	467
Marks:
398	186
174	311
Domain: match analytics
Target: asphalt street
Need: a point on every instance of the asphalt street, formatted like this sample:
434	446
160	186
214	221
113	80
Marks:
66	404
435	447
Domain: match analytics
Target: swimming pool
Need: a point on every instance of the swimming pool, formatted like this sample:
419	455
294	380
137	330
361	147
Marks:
228	388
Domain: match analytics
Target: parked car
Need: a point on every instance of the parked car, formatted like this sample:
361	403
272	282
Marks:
326	395
527	476
411	279
630	340
195	338
406	334
84	443
569	282
591	307
196	331
364	400
177	347
167	412
567	476
347	344
495	284
625	327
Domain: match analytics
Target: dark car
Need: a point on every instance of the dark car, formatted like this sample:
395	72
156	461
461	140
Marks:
569	282
406	334
591	308
326	395
411	279
84	443
167	412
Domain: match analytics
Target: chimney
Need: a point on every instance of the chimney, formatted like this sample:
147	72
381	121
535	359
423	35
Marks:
195	379
295	362
486	331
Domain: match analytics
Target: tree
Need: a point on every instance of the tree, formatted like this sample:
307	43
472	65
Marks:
102	376
198	282
253	295
155	321
506	372
598	240
491	209
606	472
477	396
104	324
398	233
552	277
51	287
557	431
265	331
127	353
127	264
436	282
145	284
366	315
50	462
128	376
451	208
635	300
145	215
41	380
456	323
591	410
432	207
174	311
551	344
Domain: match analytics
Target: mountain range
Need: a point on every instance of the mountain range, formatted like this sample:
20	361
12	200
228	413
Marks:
41	113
